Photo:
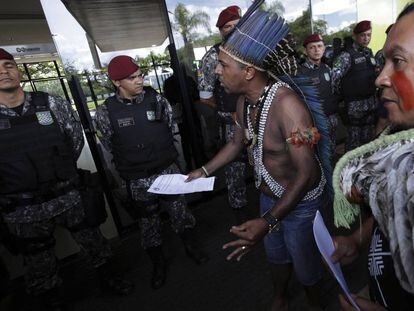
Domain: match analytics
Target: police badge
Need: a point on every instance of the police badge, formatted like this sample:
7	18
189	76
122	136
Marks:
151	115
44	117
327	77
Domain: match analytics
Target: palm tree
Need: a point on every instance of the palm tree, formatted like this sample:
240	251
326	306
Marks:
186	24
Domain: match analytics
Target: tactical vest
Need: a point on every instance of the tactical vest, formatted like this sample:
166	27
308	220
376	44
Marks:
359	81
321	79
141	145
225	102
34	153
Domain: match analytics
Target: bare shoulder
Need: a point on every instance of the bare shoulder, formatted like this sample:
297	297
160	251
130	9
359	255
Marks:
290	111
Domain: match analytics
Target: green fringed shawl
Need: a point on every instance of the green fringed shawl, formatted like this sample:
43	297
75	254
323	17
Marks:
344	211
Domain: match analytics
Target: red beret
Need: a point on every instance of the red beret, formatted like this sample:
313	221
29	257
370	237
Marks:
362	26
312	38
5	55
229	14
121	67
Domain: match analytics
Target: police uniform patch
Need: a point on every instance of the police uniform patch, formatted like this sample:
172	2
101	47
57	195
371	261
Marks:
44	117
124	122
150	115
327	77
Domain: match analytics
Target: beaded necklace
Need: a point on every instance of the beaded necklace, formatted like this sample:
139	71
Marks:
255	151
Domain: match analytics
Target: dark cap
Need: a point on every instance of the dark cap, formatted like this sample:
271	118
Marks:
121	67
362	26
312	38
229	14
5	55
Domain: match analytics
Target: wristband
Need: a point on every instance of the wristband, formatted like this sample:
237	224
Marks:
205	171
273	222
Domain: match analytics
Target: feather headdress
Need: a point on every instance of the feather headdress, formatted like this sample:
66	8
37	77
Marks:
260	40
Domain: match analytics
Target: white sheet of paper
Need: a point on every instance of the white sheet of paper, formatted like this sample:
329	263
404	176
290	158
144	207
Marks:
326	247
175	184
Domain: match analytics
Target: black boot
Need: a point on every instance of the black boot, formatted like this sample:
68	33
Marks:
159	264
191	248
114	283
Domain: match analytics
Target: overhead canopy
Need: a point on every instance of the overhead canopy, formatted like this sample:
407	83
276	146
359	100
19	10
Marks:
121	24
23	22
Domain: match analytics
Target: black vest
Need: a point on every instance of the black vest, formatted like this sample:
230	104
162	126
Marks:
225	102
359	81
34	154
321	79
140	144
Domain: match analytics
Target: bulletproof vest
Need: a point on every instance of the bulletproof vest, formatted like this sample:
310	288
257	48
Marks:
321	79
359	82
225	102
34	153
141	141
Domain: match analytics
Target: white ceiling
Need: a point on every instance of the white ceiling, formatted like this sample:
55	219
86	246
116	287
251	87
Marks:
121	24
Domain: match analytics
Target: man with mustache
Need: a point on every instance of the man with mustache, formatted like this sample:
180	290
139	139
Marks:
135	125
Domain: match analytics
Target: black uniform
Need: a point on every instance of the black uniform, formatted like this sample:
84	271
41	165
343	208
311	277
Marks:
40	142
138	134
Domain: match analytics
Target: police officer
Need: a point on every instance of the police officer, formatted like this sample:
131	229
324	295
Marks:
354	76
213	94
40	141
135	125
320	75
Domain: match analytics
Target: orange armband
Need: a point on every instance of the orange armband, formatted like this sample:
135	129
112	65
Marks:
308	136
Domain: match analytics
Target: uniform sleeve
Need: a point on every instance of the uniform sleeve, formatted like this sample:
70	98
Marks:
167	113
68	121
104	129
340	68
207	76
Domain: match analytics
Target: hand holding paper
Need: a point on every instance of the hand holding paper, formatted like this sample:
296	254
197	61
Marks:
176	184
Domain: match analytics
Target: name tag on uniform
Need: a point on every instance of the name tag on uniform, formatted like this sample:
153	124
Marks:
44	117
124	122
327	77
360	60
151	115
4	124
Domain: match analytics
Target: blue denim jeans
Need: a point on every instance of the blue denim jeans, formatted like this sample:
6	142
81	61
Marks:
294	242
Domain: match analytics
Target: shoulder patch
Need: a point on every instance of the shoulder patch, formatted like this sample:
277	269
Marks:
44	117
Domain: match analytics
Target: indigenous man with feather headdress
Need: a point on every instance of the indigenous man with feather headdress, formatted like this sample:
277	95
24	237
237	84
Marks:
282	124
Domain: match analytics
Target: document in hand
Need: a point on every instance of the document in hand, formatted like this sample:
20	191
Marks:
175	184
326	248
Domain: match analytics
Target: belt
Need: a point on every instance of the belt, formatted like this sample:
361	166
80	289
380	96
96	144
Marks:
9	202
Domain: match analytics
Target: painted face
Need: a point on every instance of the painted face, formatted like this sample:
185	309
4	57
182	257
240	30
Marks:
227	27
364	38
10	76
315	50
397	78
131	86
230	73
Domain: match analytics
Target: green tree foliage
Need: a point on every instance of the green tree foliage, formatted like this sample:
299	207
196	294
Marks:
301	28
186	24
275	7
